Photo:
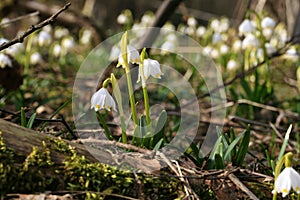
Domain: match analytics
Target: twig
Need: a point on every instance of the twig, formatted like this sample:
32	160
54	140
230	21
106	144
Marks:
19	18
33	28
240	185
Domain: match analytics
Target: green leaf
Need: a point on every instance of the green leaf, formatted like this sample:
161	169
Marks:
285	141
158	145
23	117
232	146
159	127
219	162
215	150
31	120
243	148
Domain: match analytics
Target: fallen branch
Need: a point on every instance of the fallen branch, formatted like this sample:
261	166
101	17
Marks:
33	28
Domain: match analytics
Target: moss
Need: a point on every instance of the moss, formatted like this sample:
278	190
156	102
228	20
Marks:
38	173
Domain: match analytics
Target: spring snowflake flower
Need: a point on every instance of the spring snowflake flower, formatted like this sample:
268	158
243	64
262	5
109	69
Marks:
231	65
35	58
268	22
250	41
5	61
133	56
44	39
215	25
246	27
201	30
57	50
86	36
67	43
287	179
192	22
103	100
216	38
150	67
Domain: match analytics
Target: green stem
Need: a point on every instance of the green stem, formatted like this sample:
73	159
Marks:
146	102
131	96
274	196
123	126
104	125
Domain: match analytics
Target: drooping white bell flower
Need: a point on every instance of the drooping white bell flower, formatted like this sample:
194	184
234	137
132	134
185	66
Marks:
133	56
287	179
268	22
5	61
192	22
246	27
103	100
44	39
201	30
150	67
250	41
231	65
35	58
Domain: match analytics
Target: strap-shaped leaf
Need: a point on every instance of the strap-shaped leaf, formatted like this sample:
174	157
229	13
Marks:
243	148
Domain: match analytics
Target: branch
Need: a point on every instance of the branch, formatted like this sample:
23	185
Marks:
33	28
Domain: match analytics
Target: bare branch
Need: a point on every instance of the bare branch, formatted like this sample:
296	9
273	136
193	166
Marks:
33	28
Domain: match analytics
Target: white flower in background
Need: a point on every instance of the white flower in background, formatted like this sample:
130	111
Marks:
189	31
231	65
270	48
267	32
246	27
207	50
67	43
215	54
167	28
103	100
47	28
250	41
287	179
15	49
86	36
57	50
3	40
60	32
224	24
5	61
268	22
167	47
35	58
258	56
122	19
147	19
114	53
216	38
237	45
215	25
224	49
201	30
192	22
150	67
44	38
133	56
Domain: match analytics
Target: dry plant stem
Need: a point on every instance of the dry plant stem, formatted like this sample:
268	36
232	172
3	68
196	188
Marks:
240	185
33	28
19	18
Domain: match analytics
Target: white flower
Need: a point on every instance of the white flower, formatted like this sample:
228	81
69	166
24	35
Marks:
15	49
168	46
60	32
217	37
150	67
114	53
224	49
201	30
215	24
231	65
57	50
5	61
207	50
268	22
103	100
250	41
86	36
44	38
147	19
191	21
214	53
224	24
133	56
270	48
287	179
246	27
35	58
237	45
3	40
267	32
67	43
122	19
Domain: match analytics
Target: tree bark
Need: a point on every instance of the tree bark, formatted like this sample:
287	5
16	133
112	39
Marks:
21	140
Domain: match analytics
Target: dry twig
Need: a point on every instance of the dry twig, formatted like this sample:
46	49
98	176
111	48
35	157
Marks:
33	28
